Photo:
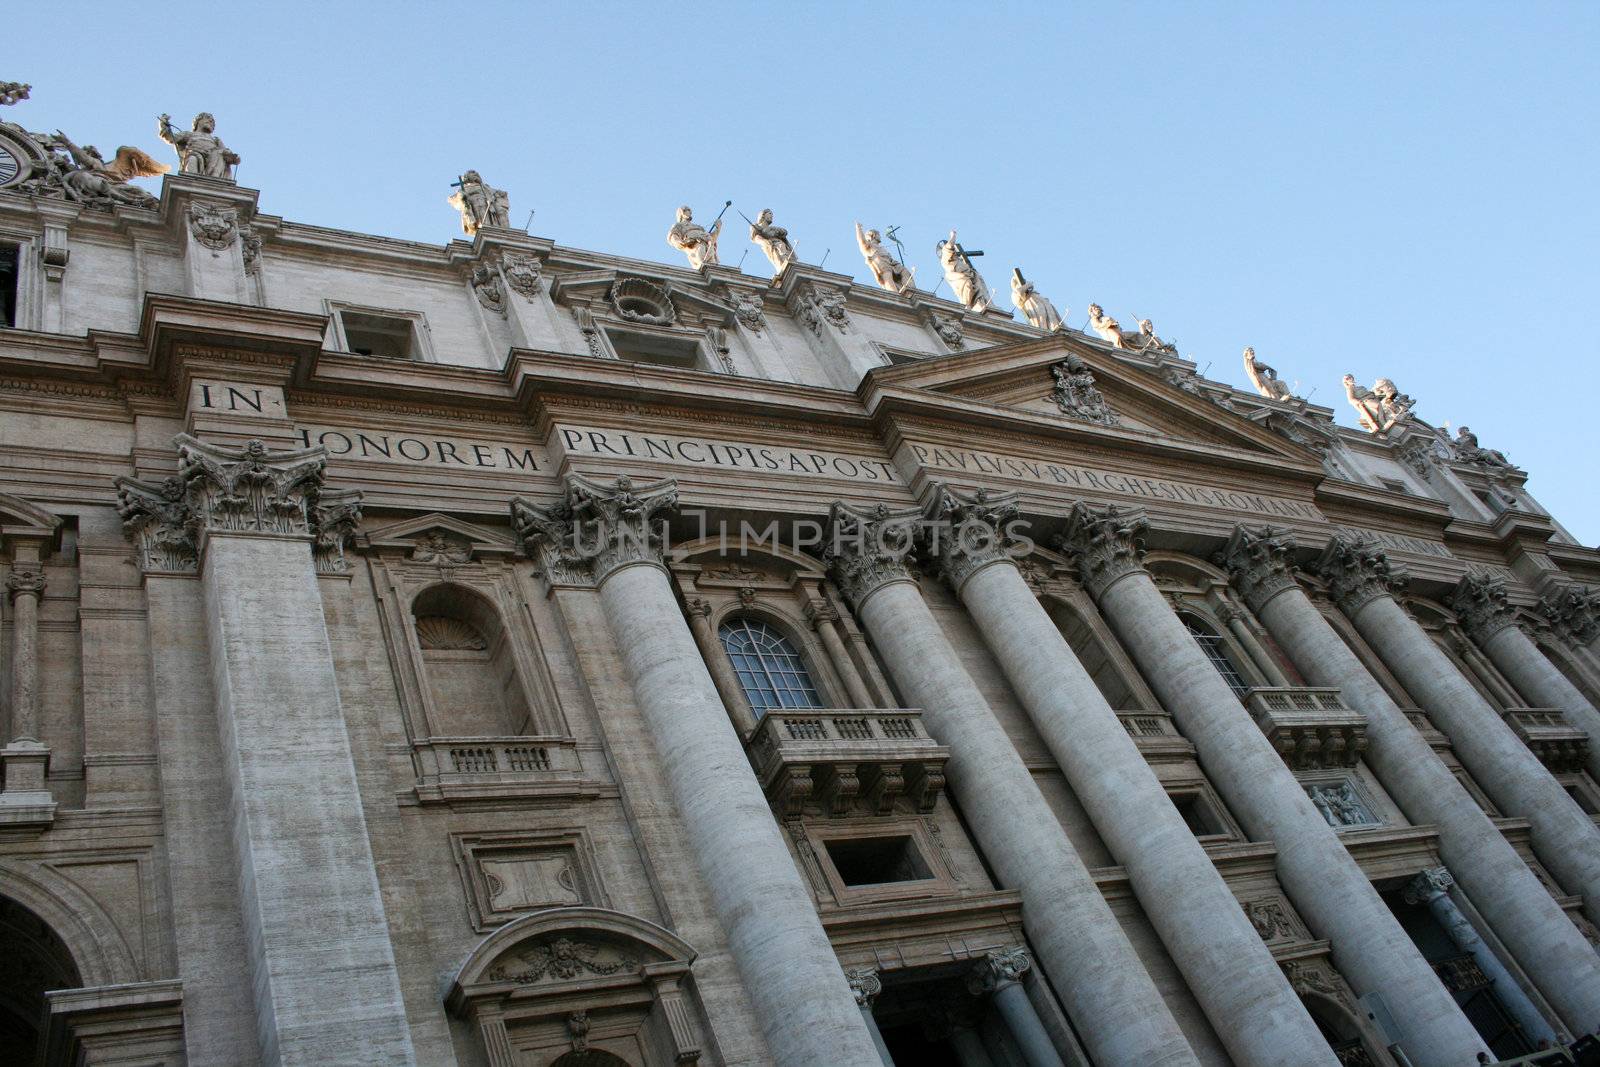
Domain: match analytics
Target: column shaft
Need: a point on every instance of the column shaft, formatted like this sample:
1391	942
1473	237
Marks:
722	675
1258	653
26	588
1011	1000
1535	929
806	1008
1566	839
828	630
1228	967
1108	993
1542	682
969	1047
1325	883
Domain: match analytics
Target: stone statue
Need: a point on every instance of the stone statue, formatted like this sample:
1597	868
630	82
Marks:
774	241
1380	407
11	92
889	272
1076	394
1038	310
200	150
1467	451
1106	327
694	240
480	204
1264	378
90	179
965	281
1149	342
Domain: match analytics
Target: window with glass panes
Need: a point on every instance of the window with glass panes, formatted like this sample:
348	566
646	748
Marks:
1212	645
768	665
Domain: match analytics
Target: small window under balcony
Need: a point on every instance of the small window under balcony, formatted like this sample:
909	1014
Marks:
864	861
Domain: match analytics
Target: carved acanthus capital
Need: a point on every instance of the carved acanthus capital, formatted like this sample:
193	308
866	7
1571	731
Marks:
25	583
1358	572
1573	612
1258	563
1429	885
870	548
335	516
1105	544
967	532
250	489
158	519
596	528
865	984
819	612
999	968
1479	601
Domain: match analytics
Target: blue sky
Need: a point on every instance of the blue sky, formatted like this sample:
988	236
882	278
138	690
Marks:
1404	190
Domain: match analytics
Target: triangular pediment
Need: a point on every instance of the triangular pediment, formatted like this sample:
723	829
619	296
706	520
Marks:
1019	380
439	538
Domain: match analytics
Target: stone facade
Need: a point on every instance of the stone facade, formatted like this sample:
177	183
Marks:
498	653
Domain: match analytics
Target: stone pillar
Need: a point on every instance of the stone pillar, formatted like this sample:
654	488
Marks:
322	967
1480	603
825	619
26	798
1573	612
608	534
1360	580
999	974
722	673
1109	995
968	1045
1505	891
1213	943
1432	888
1324	882
1264	661
867	985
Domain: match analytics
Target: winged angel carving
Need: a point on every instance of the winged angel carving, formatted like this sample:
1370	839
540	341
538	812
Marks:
89	179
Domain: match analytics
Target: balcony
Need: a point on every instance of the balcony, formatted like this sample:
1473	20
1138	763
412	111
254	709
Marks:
847	760
1311	728
497	768
1559	745
1155	735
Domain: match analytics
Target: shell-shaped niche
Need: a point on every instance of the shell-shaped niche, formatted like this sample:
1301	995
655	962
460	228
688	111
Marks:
440	633
641	301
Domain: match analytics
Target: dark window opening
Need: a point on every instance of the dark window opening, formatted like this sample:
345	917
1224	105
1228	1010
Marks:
877	860
378	335
1197	815
1583	800
10	275
1213	646
1394	486
664	349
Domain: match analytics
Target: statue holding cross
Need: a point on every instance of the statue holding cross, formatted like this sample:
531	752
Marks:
965	281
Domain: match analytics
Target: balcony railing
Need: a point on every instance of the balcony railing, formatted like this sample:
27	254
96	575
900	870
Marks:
487	767
1461	974
845	760
1559	745
1310	727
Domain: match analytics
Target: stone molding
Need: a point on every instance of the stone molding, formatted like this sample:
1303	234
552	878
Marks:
1358	572
1106	544
596	529
870	548
1258	563
998	969
1480	604
250	489
1573	612
967	532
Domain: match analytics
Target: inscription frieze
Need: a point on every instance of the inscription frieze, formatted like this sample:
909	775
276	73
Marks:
728	455
421	448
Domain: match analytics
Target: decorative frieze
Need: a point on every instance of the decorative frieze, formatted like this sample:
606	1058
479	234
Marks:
1573	612
1340	805
250	489
868	549
968	532
1106	544
595	528
562	959
1480	603
1357	572
157	518
1258	563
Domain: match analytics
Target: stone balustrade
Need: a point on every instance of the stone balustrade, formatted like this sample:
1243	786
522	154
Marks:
1310	727
464	768
1560	746
848	759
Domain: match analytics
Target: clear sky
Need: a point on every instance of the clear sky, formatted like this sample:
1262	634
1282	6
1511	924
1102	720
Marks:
1399	190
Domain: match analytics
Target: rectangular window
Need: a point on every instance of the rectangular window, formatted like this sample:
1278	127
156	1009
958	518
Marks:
10	276
669	350
387	337
877	860
1394	486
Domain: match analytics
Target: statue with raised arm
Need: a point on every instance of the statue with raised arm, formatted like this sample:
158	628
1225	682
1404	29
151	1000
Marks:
200	150
694	240
480	203
1147	340
94	180
965	281
1468	451
1108	328
1264	378
890	273
773	241
1380	407
1037	309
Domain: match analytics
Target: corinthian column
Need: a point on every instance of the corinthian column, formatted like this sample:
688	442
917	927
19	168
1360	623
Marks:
1325	883
1229	968
1505	891
316	936
1108	993
611	534
1360	580
1486	616
999	975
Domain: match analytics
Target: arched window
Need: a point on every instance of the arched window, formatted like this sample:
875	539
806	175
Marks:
1212	645
769	667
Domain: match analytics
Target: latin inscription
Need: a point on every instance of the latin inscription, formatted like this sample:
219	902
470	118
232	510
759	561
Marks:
1401	542
729	455
236	398
422	449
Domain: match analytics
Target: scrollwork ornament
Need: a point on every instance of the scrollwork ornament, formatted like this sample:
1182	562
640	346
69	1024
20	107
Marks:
1106	544
1258	563
869	549
522	274
966	533
336	513
562	959
1358	572
1001	967
1076	394
213	225
25	583
865	984
1480	603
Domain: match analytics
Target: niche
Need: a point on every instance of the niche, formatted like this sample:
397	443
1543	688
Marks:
467	665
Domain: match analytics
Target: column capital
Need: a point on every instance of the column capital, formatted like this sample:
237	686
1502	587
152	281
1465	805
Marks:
865	984
596	528
997	969
250	489
158	519
26	582
870	548
1432	883
1573	612
1357	572
1258	563
334	517
819	612
1480	603
967	532
1107	544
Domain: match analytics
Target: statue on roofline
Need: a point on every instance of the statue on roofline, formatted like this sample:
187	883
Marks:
694	240
889	272
200	150
480	203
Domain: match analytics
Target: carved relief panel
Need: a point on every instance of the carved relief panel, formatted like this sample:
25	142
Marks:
511	873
